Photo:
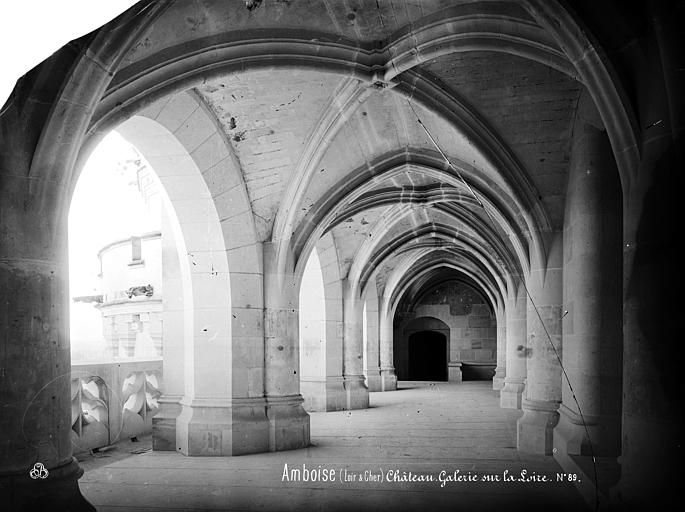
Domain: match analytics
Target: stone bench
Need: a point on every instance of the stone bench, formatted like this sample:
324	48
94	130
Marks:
471	370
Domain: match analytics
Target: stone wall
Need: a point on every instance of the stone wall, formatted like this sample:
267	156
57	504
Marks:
463	315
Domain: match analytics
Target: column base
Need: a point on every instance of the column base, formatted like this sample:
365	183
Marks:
651	466
373	380
58	491
222	427
498	379
164	424
325	394
569	435
572	453
454	371
388	379
357	393
535	429
288	423
511	394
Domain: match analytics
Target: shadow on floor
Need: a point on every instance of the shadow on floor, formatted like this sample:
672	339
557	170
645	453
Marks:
95	459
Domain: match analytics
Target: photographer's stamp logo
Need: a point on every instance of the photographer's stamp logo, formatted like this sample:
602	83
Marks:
38	471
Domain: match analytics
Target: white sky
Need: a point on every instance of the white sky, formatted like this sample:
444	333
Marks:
106	206
32	30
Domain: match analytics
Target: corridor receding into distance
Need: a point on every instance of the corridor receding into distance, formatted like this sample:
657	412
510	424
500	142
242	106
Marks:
386	239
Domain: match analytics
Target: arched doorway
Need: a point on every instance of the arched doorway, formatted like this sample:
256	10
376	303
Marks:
428	355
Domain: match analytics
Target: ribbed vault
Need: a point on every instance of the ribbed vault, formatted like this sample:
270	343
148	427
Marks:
337	123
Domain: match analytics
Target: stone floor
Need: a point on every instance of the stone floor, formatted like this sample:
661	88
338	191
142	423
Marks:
423	428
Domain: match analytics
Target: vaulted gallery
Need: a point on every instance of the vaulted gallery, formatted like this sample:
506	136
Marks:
361	196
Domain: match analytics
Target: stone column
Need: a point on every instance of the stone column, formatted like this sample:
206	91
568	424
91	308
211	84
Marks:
592	296
251	426
223	407
205	426
653	415
35	361
353	347
543	372
388	376
373	369
289	423
174	326
500	370
652	411
321	379
515	317
323	387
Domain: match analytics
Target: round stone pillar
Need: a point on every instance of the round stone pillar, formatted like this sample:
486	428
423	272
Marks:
515	317
35	360
592	297
353	348
543	372
205	425
653	415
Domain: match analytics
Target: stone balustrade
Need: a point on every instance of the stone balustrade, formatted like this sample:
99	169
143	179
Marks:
113	400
